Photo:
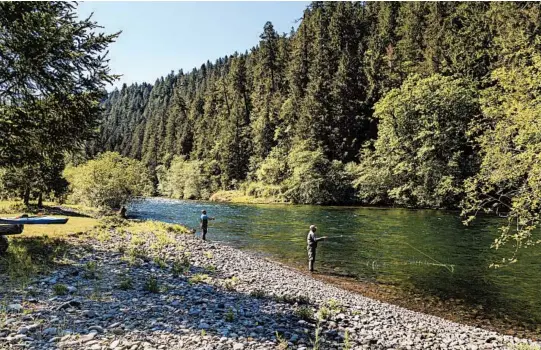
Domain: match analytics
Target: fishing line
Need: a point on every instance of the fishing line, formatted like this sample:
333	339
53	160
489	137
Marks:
431	258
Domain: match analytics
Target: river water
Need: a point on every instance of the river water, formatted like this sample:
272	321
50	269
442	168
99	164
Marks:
425	250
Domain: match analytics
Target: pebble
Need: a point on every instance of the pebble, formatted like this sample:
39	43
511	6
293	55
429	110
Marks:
216	313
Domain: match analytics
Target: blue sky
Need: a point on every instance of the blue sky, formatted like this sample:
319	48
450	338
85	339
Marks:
158	37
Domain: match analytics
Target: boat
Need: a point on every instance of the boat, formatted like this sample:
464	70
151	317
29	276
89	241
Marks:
35	220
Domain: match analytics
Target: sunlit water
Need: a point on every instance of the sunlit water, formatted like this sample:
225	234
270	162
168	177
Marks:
430	251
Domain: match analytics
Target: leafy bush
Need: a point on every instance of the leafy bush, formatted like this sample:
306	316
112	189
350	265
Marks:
109	181
184	179
316	180
421	156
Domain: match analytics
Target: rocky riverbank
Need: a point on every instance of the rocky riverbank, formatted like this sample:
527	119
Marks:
151	286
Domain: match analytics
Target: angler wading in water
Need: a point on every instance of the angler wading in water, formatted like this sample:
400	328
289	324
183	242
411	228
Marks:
311	241
204	224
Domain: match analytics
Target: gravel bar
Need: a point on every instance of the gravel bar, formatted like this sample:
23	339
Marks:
108	296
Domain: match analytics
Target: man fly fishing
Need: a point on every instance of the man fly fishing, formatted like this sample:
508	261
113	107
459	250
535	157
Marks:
204	221
311	241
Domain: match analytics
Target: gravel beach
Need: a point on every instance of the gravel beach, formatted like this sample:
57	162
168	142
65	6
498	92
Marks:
125	290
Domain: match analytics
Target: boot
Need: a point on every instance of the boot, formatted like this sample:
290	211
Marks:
311	266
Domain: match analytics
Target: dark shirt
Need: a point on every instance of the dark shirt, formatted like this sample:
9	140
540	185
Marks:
204	221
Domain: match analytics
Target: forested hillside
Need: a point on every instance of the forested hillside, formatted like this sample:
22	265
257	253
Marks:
419	104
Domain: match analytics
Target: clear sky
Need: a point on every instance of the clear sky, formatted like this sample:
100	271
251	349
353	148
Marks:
158	37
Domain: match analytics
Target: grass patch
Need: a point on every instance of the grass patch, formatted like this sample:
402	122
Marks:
282	342
60	289
524	346
304	313
126	283
155	227
151	285
181	266
199	278
28	256
258	293
75	224
229	316
236	196
91	270
160	262
231	283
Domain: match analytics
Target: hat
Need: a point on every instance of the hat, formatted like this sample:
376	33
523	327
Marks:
312	227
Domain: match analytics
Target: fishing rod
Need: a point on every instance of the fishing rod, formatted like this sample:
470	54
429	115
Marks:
334	237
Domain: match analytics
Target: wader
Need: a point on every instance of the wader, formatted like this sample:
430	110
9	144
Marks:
204	227
311	257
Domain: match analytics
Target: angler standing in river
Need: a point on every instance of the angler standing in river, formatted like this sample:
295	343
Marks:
204	224
311	241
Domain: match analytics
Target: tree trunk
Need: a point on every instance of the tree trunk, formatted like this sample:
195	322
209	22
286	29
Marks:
26	198
40	200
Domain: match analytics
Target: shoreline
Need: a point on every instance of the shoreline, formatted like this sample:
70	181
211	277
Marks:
184	293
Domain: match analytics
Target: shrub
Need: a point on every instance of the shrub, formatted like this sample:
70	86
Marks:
108	181
184	179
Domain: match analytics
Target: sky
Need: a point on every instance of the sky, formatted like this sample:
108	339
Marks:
160	37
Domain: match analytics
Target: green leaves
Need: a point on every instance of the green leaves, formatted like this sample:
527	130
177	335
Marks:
52	75
108	181
419	158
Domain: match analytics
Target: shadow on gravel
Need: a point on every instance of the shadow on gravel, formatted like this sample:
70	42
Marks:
29	256
185	304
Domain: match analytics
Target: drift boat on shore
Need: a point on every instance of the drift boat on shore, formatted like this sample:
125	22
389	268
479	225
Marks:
15	226
36	220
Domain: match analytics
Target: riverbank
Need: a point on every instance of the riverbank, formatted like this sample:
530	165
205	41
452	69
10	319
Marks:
127	285
239	197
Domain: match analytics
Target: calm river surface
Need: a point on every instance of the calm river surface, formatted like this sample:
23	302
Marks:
427	250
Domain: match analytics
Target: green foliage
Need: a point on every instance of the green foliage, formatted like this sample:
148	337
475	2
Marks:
91	270
184	180
60	289
108	181
509	140
151	285
305	313
126	283
53	70
229	316
421	156
314	179
199	278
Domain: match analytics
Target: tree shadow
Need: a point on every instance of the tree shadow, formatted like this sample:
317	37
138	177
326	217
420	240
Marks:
184	305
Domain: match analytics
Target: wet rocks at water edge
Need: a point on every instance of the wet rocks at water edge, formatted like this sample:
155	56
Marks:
176	292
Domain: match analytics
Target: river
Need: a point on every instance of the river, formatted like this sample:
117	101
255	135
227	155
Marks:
424	250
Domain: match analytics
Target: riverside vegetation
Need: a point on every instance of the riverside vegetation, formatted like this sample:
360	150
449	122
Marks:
422	105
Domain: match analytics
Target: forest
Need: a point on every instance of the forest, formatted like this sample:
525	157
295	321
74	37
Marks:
411	104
